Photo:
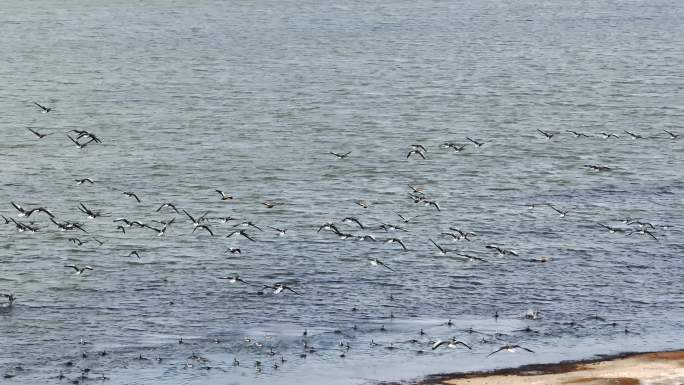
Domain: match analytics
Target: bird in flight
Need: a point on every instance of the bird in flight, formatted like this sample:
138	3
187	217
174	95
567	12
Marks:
43	108
450	343
224	196
38	134
377	262
241	232
81	181
396	240
548	135
131	194
672	134
510	348
168	205
340	155
234	279
79	270
415	152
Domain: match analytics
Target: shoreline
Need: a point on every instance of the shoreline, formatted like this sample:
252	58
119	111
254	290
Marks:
630	368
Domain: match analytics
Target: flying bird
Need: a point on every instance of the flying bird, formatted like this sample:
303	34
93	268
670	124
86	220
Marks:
168	205
377	262
548	135
132	195
80	270
396	240
415	152
43	108
510	348
240	232
341	156
450	343
478	144
38	134
224	196
234	279
81	181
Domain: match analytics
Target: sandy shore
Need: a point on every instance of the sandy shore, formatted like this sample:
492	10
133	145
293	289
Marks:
664	368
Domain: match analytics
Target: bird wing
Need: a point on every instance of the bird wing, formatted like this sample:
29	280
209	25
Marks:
464	344
523	348
73	140
18	207
438	246
437	344
244	234
498	350
72	266
189	216
290	289
383	264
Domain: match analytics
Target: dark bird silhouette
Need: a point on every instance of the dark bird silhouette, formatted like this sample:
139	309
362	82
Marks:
80	145
79	270
510	348
352	220
205	227
396	240
450	343
234	279
10	297
38	134
91	214
415	152
224	196
633	135
280	287
341	156
168	205
672	135
548	135
66	226
578	134
597	167
478	144
241	232
377	262
43	108
81	181
132	195
196	222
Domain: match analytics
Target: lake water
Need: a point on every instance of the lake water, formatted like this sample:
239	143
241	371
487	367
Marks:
251	98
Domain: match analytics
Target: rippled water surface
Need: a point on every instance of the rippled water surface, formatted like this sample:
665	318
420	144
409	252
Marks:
251	98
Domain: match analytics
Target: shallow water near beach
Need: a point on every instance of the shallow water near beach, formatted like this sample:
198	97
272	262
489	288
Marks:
251	98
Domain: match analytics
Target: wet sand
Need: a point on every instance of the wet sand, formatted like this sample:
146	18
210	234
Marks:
666	368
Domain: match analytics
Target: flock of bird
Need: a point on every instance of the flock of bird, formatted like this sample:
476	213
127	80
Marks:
349	228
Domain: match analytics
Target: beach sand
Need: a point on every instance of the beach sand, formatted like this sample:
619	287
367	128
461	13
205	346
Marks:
664	368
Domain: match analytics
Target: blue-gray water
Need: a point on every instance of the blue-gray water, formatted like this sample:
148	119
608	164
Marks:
250	98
